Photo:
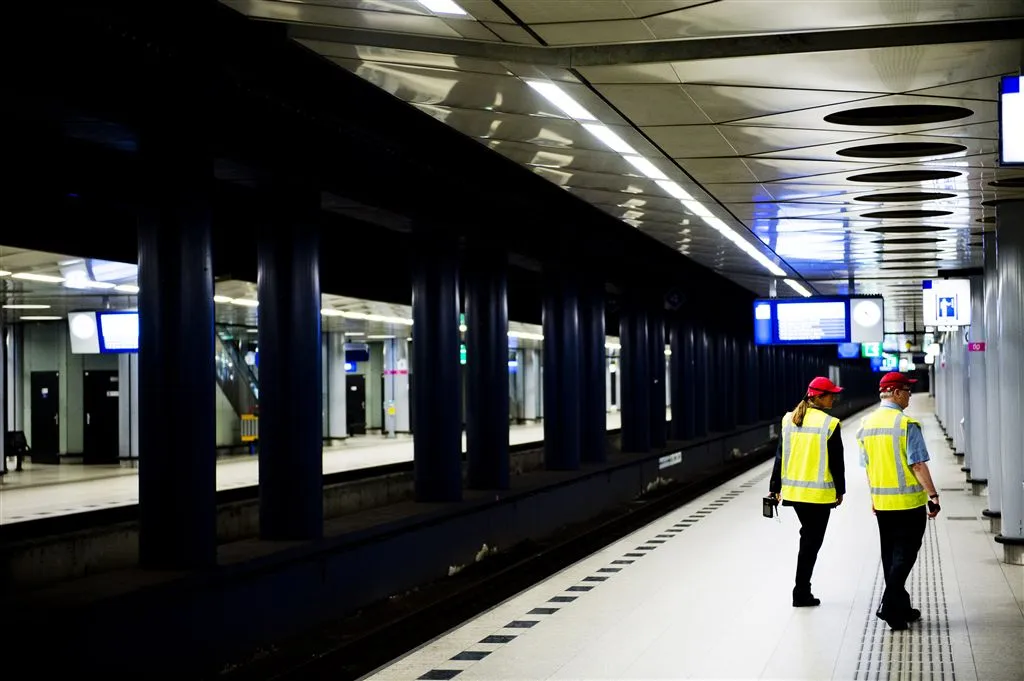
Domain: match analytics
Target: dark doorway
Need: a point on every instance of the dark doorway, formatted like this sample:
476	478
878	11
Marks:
45	405
100	398
355	403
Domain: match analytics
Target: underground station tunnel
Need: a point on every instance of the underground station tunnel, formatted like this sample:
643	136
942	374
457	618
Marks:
480	339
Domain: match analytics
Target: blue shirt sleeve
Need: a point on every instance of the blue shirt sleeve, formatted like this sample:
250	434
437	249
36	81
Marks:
917	452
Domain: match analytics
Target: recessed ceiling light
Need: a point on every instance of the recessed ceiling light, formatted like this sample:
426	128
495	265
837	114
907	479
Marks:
443	7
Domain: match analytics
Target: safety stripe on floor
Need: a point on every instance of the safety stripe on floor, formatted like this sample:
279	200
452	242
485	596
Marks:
507	634
925	651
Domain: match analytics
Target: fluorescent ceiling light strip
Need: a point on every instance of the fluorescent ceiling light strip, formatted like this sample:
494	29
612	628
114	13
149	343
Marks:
221	299
674	190
569	106
525	335
132	288
26	307
39	318
697	208
31	276
646	167
245	302
443	7
613	141
330	312
4	273
798	288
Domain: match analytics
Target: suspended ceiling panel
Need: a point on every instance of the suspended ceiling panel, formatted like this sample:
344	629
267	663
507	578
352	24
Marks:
796	155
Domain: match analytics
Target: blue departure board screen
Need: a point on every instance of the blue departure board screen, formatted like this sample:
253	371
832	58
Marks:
817	321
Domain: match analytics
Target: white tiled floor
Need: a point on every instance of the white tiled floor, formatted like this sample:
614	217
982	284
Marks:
75	488
713	600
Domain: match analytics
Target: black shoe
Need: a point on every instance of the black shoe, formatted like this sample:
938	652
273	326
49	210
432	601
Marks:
805	601
911	616
898	624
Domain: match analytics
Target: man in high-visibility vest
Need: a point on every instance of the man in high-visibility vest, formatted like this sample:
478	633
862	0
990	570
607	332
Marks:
903	495
810	476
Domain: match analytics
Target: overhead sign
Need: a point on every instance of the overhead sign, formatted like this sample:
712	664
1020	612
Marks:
870	349
976	346
818	320
946	302
1011	121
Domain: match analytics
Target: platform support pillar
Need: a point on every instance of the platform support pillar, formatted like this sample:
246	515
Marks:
976	404
291	374
656	339
177	473
1010	338
593	398
700	382
487	403
635	368
562	410
993	449
337	389
437	427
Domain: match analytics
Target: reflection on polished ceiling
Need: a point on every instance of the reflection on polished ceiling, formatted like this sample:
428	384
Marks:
822	159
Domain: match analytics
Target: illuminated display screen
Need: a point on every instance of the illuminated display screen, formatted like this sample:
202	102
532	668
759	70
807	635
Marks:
820	320
848	350
1011	121
119	331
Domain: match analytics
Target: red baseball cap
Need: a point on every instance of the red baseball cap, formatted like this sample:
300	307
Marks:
895	379
821	386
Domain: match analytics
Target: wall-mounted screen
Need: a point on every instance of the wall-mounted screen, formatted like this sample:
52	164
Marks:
946	302
848	350
820	320
1011	121
119	331
84	334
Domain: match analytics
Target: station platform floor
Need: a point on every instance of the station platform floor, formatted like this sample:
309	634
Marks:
43	491
704	593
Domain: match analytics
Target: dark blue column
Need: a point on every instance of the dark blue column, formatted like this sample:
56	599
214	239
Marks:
750	384
562	407
656	338
177	475
594	415
635	368
437	431
487	369
291	410
701	398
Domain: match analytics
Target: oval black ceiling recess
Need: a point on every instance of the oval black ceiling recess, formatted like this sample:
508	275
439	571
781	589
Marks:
899	176
904	229
906	214
909	241
904	197
901	251
902	150
889	261
904	268
988	219
998	202
898	114
1010	183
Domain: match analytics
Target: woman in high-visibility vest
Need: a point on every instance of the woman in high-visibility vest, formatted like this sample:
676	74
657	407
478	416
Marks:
810	475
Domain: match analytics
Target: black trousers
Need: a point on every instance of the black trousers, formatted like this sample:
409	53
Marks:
813	521
900	534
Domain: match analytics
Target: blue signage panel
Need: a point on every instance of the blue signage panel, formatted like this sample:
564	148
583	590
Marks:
118	331
1011	121
802	321
848	350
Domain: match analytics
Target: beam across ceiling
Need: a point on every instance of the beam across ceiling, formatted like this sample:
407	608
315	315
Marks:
684	49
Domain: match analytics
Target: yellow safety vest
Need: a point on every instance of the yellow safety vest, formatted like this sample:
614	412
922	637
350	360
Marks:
883	438
805	473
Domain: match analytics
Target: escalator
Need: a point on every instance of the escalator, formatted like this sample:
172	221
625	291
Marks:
236	378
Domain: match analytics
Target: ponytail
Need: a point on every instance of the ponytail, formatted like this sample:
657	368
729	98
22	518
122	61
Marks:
798	413
801	409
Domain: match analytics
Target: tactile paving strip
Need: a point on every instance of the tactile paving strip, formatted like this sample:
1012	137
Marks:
507	634
925	650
